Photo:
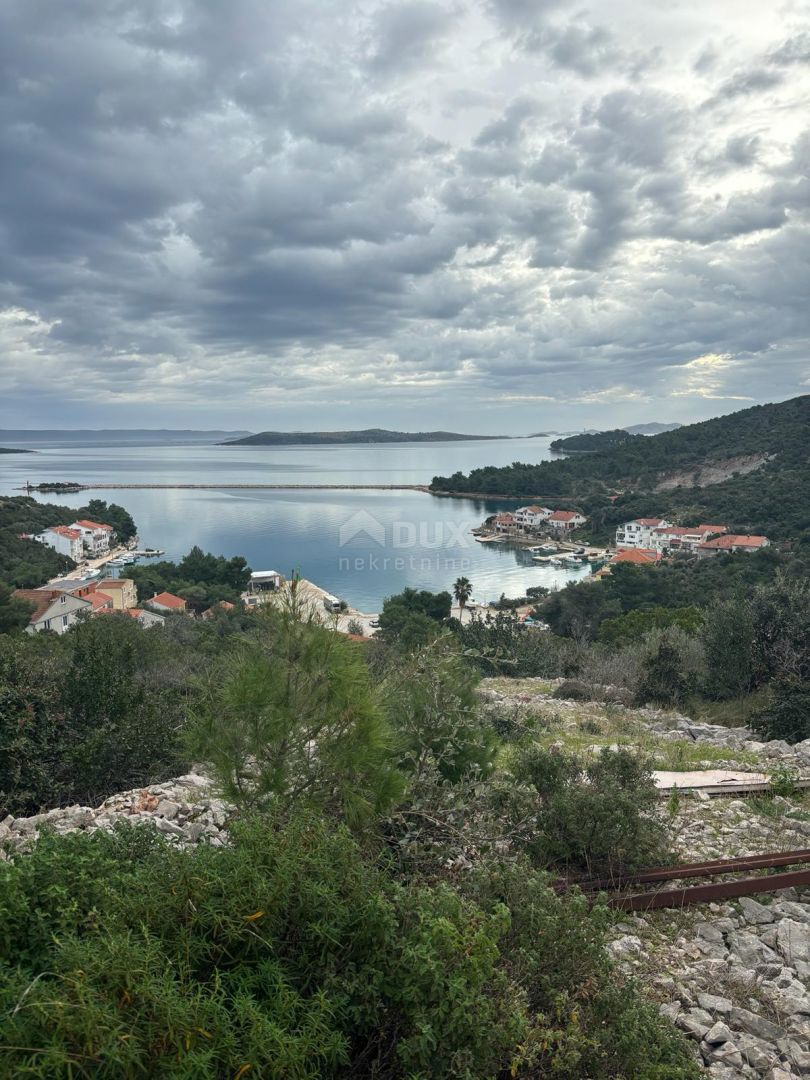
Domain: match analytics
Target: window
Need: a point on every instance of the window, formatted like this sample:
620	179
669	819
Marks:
46	624
65	620
62	598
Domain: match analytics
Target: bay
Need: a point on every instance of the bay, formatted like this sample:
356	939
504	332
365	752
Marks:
359	545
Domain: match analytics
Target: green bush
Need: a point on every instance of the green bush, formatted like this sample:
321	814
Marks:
787	714
597	815
671	669
573	690
96	711
291	716
288	955
431	701
285	953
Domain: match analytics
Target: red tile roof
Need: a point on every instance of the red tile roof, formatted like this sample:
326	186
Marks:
639	556
712	528
564	515
168	600
63	530
653	523
99	600
729	540
94	525
505	519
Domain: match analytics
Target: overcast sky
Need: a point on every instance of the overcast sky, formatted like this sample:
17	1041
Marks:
493	215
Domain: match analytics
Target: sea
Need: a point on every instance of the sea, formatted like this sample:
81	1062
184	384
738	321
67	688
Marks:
362	546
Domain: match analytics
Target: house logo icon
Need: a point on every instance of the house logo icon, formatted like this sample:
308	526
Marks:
362	525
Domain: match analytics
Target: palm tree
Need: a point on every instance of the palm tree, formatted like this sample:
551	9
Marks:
462	590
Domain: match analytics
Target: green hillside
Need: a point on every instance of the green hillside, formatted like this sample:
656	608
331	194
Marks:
773	441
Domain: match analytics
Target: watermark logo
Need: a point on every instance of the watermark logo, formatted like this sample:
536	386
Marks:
362	526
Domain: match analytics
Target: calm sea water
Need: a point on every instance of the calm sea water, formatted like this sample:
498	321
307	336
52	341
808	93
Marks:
360	545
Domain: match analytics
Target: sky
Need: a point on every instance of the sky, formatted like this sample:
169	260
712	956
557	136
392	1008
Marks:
496	216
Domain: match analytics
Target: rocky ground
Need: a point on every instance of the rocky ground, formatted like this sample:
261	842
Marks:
184	809
734	977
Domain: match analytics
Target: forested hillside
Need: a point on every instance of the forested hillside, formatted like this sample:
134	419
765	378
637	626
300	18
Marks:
772	498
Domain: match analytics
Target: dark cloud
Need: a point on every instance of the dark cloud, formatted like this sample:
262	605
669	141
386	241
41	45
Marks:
207	206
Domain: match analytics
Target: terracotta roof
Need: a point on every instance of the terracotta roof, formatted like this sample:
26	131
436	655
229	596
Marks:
505	517
712	528
564	515
167	599
94	525
639	556
99	600
533	509
653	523
115	583
63	530
729	540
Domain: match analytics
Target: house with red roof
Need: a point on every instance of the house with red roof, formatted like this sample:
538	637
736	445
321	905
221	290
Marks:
167	602
95	536
731	542
678	538
564	521
54	610
65	540
221	605
640	532
531	517
637	557
505	522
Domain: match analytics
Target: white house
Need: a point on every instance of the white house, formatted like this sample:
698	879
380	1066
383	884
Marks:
54	610
65	540
563	521
640	533
96	537
676	538
531	517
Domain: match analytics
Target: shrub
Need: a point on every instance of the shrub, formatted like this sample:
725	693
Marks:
285	953
597	816
290	954
433	708
728	639
671	668
293	717
81	716
787	714
573	690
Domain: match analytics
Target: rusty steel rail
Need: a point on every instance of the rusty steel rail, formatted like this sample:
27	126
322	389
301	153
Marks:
693	870
698	894
701	894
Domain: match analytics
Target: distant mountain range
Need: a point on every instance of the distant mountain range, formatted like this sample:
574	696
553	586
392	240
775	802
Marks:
367	435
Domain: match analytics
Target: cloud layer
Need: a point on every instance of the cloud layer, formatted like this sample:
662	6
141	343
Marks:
501	212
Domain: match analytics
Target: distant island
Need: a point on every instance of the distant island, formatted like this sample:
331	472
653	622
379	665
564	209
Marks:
54	437
591	441
367	435
14	450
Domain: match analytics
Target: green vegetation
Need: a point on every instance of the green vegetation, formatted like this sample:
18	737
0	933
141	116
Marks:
589	442
413	617
201	579
290	954
89	713
333	935
26	564
294	686
769	500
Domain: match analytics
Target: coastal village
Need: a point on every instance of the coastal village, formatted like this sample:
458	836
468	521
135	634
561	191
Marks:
552	536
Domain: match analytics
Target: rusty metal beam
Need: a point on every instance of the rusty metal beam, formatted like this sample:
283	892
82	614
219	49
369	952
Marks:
692	870
700	894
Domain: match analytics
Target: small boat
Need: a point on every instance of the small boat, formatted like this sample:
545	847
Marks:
91	573
543	558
